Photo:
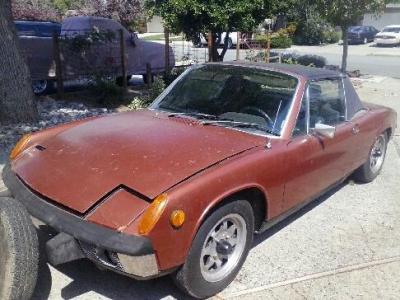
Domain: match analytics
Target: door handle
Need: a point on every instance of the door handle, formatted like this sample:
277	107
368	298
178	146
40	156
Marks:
355	129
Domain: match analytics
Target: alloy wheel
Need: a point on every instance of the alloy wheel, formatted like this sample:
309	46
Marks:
223	247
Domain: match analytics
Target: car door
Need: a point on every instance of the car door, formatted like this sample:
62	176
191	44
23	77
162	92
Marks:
315	162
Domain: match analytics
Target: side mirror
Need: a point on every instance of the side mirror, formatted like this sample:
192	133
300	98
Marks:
325	130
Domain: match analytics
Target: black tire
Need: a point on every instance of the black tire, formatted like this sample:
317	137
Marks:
19	254
145	79
366	173
41	87
189	277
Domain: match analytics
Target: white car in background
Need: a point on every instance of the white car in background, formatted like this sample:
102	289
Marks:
390	35
232	40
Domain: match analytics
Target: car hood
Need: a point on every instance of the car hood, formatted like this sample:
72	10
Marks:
145	151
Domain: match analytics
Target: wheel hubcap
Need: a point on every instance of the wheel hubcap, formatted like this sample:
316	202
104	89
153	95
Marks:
223	247
377	154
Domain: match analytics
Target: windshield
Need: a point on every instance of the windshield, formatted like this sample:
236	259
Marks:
355	29
392	29
253	99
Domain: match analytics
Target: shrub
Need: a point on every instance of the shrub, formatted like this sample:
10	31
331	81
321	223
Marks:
330	36
306	60
312	60
156	89
106	90
309	33
280	39
137	103
175	73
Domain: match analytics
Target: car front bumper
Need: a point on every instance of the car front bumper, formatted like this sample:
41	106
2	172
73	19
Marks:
381	41
78	238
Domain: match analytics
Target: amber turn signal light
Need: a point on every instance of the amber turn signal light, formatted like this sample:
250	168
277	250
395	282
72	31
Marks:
20	146
152	214
177	218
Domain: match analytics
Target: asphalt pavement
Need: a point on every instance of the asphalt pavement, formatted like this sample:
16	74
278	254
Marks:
369	59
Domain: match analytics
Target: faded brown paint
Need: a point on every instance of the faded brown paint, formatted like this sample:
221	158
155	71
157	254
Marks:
118	210
198	166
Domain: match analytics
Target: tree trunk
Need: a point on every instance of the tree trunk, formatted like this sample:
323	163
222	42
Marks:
345	49
214	55
17	102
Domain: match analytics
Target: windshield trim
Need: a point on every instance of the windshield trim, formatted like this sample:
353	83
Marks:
154	106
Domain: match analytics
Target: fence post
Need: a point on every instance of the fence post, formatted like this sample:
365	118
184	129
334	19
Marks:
167	63
238	42
123	61
58	61
149	75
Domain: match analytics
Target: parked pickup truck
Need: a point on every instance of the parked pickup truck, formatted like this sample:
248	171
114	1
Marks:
39	51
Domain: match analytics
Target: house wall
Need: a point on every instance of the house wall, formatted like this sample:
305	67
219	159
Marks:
391	16
155	25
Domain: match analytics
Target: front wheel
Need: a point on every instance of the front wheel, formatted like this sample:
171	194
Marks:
18	251
218	251
373	166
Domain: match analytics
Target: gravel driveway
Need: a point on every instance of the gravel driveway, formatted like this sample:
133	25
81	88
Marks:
345	245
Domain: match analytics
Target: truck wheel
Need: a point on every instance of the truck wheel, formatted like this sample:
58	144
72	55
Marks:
39	87
19	257
146	80
373	166
218	251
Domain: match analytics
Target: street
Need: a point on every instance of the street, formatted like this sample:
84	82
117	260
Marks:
369	59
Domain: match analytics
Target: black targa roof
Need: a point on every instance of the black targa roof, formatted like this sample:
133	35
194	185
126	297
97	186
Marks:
310	73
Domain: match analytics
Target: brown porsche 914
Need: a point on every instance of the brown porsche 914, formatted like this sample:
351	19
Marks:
227	150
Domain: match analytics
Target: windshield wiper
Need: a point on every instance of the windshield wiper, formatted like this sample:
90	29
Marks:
241	125
194	115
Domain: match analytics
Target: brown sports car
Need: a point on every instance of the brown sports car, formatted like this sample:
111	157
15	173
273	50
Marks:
229	149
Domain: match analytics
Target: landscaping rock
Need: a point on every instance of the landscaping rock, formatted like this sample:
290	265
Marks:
51	113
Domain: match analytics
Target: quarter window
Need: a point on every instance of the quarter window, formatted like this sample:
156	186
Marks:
327	102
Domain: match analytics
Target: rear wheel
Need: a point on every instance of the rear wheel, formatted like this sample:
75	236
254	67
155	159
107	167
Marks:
18	251
40	86
373	166
146	79
218	250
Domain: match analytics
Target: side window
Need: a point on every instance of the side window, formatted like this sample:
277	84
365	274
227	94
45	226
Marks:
301	123
327	102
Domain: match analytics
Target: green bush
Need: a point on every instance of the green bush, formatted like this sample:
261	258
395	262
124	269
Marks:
106	90
175	73
156	89
279	39
330	36
311	60
309	33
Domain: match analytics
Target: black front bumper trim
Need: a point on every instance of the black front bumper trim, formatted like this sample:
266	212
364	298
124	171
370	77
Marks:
80	229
